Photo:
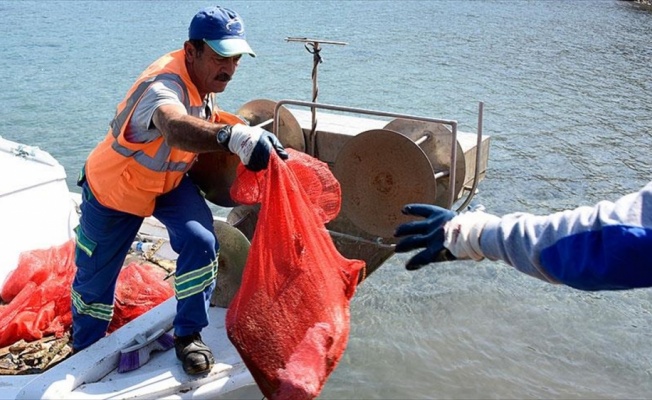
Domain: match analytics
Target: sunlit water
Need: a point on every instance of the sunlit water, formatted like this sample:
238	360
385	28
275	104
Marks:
568	106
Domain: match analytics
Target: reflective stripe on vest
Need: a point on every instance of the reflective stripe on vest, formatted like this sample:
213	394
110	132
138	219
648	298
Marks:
159	162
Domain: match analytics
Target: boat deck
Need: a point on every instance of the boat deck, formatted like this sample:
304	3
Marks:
92	373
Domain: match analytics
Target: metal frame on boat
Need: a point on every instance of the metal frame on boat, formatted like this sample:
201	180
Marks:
383	160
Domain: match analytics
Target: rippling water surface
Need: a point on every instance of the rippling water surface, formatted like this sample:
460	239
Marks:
568	104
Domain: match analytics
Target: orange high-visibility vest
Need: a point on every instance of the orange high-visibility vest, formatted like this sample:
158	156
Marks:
129	176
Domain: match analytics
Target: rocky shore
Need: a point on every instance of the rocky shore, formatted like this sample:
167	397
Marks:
644	4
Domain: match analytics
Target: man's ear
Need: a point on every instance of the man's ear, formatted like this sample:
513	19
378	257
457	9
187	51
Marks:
190	51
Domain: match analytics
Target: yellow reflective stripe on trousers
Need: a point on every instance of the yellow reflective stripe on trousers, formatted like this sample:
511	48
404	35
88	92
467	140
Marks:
82	242
95	310
195	282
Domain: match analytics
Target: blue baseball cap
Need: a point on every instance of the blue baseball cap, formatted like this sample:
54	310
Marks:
222	29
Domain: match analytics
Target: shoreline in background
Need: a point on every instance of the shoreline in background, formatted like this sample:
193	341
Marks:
641	4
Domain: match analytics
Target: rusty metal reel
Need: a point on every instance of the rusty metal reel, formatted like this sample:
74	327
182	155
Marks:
289	132
215	173
234	249
244	218
436	139
380	171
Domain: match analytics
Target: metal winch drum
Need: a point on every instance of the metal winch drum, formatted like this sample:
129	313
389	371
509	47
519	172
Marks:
261	112
435	139
234	248
381	170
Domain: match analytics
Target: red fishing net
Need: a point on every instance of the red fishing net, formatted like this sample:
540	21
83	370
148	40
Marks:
290	318
140	287
38	294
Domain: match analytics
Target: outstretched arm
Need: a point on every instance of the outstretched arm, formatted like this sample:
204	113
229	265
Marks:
252	144
604	247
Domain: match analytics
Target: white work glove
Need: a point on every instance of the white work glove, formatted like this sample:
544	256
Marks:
462	234
254	145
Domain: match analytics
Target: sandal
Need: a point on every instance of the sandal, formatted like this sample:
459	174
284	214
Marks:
195	356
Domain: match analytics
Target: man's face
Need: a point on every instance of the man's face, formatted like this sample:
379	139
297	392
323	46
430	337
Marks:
209	71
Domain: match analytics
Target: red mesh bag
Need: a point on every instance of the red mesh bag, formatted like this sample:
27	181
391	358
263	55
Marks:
38	266
289	320
140	288
39	294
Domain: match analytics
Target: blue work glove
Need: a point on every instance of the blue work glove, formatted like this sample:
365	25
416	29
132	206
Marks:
428	234
254	145
444	234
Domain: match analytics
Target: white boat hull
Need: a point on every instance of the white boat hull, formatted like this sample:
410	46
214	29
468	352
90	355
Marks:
35	206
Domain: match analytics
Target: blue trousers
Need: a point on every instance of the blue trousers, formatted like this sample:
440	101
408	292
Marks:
104	237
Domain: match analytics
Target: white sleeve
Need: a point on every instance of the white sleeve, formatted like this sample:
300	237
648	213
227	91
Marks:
141	127
604	247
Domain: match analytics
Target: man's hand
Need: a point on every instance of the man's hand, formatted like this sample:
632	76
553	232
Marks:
254	145
428	234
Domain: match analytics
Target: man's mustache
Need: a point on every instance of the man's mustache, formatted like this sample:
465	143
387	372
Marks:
223	77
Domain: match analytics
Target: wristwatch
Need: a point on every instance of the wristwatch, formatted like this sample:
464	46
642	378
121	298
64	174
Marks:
223	136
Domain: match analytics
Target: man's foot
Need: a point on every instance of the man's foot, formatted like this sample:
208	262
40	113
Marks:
195	356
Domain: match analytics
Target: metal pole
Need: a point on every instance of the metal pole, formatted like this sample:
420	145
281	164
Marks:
316	60
313	47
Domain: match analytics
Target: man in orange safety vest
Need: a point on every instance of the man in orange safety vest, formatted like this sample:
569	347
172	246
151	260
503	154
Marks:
140	169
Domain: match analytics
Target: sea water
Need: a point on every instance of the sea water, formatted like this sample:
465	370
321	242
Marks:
567	91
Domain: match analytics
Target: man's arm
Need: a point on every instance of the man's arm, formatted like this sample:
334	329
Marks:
604	247
186	132
252	144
